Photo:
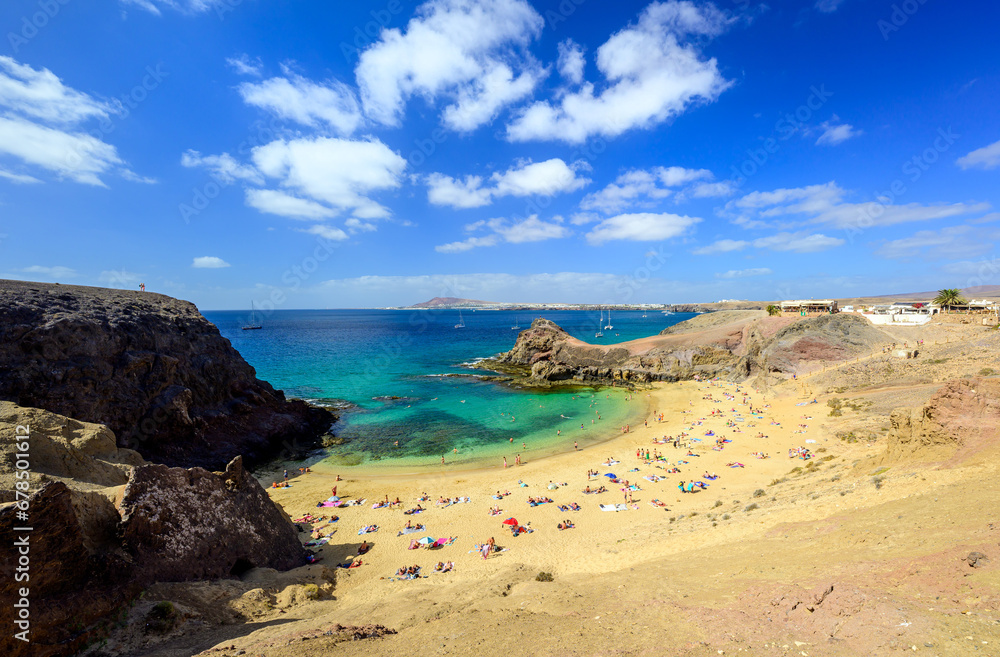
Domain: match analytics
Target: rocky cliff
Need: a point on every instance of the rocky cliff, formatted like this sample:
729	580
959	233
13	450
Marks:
149	367
960	422
729	344
105	525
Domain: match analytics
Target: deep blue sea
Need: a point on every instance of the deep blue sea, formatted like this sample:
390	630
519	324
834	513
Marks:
356	360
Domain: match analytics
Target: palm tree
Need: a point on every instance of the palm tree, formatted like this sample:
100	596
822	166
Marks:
773	310
949	297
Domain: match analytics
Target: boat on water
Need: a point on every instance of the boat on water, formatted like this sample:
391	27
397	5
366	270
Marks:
253	325
609	326
600	333
517	324
461	322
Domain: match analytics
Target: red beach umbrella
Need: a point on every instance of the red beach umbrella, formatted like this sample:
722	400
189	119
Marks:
511	521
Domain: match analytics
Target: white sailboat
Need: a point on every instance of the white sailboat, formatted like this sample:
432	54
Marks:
600	333
517	324
461	322
609	326
253	319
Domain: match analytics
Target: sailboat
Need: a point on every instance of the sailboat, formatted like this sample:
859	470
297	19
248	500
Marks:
253	319
600	333
609	326
517	324
461	322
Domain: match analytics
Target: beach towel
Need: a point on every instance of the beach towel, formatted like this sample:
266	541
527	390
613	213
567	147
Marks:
611	462
652	478
614	507
411	530
413	544
368	530
319	541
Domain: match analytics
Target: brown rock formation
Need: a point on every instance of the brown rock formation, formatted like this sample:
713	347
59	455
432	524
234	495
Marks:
731	344
961	421
88	558
150	368
193	524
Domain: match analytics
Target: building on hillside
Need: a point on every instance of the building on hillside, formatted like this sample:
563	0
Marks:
809	307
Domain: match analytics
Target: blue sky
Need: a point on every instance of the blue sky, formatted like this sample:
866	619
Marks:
315	154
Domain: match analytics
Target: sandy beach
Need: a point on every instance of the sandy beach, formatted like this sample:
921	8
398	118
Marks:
696	413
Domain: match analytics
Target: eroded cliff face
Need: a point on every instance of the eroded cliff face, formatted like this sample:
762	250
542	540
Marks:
105	525
961	421
150	368
729	344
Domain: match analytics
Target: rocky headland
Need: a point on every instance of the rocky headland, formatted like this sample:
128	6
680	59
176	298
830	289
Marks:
734	345
149	367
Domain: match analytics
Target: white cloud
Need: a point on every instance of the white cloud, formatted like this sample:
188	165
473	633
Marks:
722	246
209	262
330	104
834	133
641	227
801	242
539	179
571	61
987	157
120	278
711	190
445	190
41	124
337	172
326	232
503	230
674	176
949	242
18	178
184	6
641	188
468	244
828	6
650	74
464	50
526	178
243	65
355	225
744	273
824	205
285	205
57	272
223	167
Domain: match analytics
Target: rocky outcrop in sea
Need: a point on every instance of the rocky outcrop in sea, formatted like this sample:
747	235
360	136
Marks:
730	344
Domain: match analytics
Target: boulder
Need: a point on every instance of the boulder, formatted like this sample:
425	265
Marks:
193	524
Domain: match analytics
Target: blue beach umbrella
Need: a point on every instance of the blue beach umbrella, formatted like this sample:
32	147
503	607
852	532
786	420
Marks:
611	475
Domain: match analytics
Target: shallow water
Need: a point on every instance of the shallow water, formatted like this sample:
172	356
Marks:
356	360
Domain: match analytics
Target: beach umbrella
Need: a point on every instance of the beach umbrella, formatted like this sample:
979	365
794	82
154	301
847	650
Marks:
553	486
511	521
611	475
333	499
426	540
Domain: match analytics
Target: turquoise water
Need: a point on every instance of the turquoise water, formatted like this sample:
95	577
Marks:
356	360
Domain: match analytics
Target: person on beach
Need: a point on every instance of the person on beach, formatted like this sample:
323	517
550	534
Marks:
575	445
505	461
442	460
333	491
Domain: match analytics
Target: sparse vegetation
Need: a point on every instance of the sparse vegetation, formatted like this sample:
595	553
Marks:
759	492
726	516
987	371
543	577
717	504
877	480
161	617
311	591
750	507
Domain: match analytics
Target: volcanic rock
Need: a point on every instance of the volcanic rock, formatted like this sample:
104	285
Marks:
149	367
